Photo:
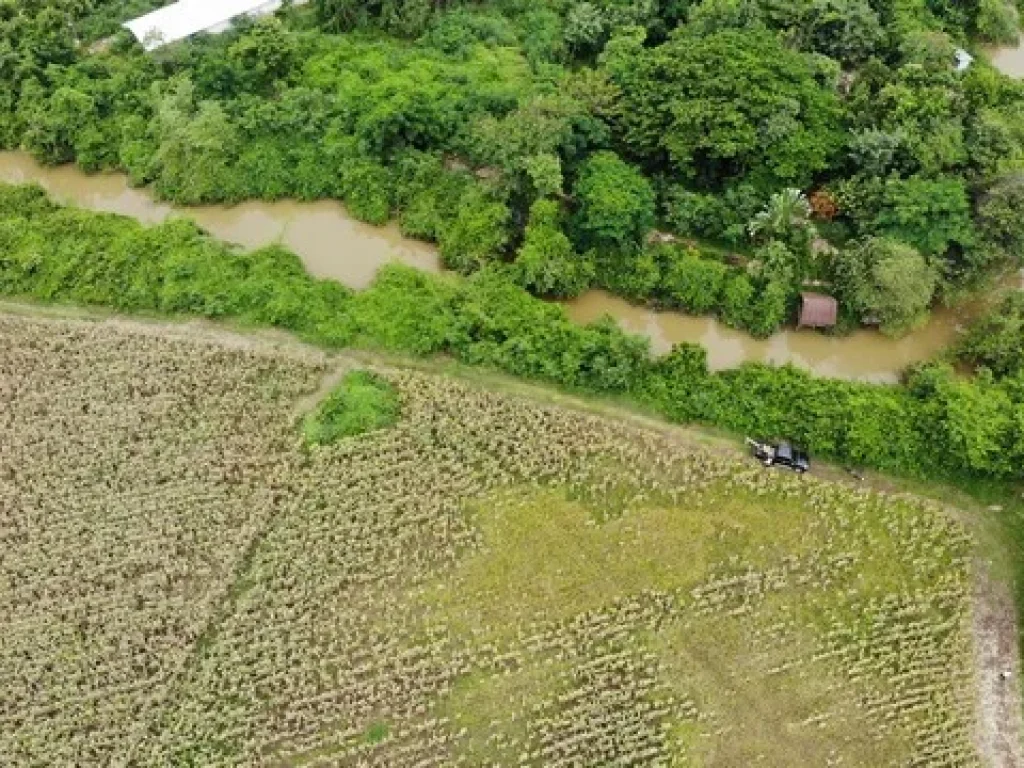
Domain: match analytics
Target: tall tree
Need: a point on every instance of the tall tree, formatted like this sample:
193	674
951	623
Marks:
615	202
888	281
733	103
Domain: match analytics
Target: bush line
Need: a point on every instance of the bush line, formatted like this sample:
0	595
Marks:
935	424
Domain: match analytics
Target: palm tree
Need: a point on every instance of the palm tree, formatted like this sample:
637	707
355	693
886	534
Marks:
786	214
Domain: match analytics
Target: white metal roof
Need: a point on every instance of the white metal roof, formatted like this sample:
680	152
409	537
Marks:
187	17
963	59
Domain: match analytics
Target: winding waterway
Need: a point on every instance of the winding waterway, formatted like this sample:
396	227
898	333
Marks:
866	354
334	245
328	240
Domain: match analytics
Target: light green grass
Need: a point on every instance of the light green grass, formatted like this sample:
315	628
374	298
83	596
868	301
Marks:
760	677
554	557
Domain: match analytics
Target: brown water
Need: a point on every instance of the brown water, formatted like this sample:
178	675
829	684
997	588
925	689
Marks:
865	355
1010	60
333	245
329	241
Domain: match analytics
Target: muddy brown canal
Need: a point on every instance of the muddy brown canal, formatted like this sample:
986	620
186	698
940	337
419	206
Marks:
334	245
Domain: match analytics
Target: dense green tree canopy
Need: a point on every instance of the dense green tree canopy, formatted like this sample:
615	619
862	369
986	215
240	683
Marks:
547	263
929	215
731	104
887	281
615	202
999	216
683	116
995	340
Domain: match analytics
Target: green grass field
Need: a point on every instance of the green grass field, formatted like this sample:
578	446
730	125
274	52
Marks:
486	581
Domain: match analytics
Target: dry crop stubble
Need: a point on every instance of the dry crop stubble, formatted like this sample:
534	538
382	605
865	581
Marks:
489	581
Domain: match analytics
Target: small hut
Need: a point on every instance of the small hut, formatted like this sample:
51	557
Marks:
817	310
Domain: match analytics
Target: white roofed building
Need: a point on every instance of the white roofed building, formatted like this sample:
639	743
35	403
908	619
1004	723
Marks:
190	17
962	60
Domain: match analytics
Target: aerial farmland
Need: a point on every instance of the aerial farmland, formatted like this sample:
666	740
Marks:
189	579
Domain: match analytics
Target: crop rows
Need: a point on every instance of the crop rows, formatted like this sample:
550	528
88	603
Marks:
185	583
134	472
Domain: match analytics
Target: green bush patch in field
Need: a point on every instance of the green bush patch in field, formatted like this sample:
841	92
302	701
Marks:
363	402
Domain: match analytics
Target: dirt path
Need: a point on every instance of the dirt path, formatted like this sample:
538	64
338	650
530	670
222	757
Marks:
339	366
997	655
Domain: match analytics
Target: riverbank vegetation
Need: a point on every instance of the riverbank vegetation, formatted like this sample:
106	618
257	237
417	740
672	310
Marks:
709	156
487	581
935	424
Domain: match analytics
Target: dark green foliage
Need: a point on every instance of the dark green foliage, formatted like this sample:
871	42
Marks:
998	21
693	284
737	301
722	217
680	277
932	216
730	104
615	203
547	264
366	189
887	281
633	274
1000	219
363	402
265	55
976	419
770	310
847	30
427	194
994	341
477	234
406	311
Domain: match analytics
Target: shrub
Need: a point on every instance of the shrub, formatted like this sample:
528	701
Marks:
361	403
737	301
999	215
693	283
477	235
697	214
996	341
547	264
616	203
887	280
998	21
633	274
366	190
770	310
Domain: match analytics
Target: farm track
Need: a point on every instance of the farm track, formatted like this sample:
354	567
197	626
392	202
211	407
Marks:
997	652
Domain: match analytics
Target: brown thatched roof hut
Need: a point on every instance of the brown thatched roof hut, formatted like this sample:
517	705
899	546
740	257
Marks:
817	310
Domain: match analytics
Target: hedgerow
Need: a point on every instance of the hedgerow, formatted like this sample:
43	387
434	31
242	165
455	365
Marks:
935	423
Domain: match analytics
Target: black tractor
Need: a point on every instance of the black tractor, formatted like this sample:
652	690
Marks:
781	454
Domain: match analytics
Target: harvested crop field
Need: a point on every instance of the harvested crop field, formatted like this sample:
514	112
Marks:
489	581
